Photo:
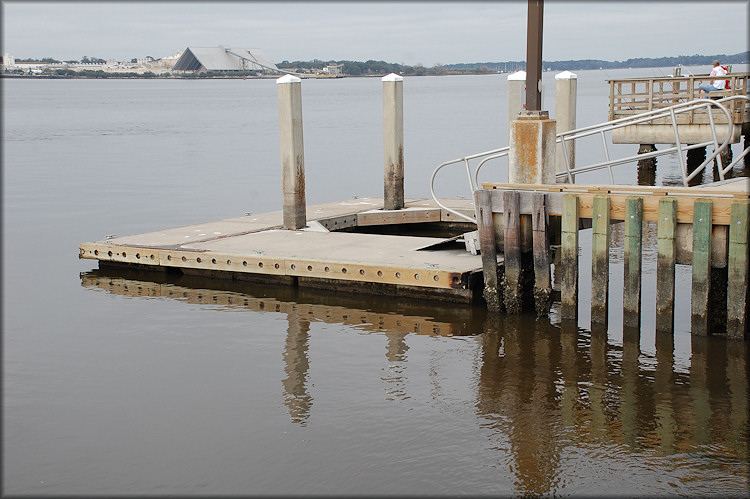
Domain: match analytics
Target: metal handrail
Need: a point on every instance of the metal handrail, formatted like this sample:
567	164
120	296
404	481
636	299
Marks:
569	136
488	155
670	113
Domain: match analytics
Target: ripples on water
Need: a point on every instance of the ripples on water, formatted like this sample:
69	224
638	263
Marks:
123	382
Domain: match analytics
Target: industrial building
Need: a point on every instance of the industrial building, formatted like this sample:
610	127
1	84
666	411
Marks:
205	59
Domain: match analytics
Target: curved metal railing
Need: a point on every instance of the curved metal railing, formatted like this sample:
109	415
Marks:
566	138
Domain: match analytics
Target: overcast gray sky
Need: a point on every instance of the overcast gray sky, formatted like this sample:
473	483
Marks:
417	32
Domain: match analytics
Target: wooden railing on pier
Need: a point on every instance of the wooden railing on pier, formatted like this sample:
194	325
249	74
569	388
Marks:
631	96
718	221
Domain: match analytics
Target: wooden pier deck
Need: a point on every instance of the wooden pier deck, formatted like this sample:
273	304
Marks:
340	246
632	96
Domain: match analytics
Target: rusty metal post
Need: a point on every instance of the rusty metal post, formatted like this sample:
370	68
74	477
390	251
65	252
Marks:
534	56
393	141
292	152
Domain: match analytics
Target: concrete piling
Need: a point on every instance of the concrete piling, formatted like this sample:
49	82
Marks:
393	141
516	96
292	152
566	90
531	158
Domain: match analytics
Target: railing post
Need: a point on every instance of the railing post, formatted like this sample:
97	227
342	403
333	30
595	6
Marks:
292	152
393	141
566	89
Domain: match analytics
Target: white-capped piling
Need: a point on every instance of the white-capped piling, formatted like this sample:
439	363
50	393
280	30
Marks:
292	152
393	142
516	95
566	90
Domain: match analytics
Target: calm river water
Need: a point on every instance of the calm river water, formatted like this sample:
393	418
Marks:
120	383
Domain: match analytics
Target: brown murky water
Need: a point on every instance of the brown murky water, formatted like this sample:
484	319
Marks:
132	383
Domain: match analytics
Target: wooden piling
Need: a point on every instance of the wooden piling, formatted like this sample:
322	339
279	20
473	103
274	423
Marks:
292	152
393	141
701	287
665	265
631	299
542	274
512	292
600	260
569	258
737	293
488	249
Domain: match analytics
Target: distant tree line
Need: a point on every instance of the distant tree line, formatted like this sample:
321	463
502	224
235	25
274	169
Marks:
98	73
374	68
641	62
49	60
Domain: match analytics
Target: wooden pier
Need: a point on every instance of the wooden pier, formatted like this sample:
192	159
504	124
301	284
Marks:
705	227
428	247
418	251
632	96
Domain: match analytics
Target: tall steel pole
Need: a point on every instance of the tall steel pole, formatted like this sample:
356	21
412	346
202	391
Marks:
534	56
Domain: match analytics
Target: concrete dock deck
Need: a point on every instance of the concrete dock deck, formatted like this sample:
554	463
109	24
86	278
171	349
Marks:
330	252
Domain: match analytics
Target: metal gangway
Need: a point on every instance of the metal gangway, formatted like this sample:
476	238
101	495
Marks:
719	142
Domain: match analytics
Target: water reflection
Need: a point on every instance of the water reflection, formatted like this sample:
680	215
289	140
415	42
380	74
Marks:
550	389
554	402
296	366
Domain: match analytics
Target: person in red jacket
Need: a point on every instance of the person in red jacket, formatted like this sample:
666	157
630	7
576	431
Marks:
718	70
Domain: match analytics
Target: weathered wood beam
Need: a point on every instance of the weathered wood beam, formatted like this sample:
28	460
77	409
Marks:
633	252
512	292
665	265
542	273
701	286
569	258
737	294
488	249
600	260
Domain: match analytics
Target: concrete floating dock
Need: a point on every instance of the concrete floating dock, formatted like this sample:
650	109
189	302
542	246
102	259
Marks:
342	244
